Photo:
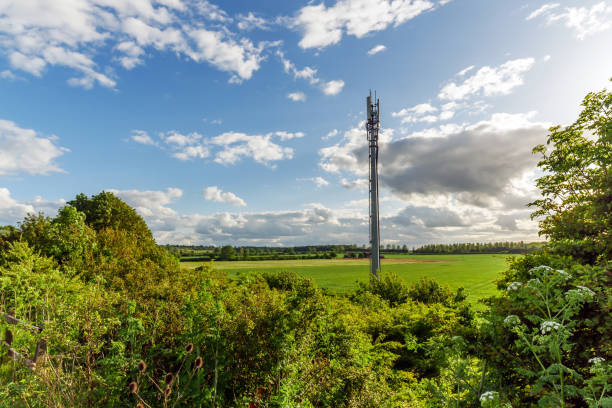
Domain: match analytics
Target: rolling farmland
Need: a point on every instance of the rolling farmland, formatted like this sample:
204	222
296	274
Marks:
476	273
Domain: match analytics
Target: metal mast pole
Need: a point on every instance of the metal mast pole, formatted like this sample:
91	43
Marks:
372	126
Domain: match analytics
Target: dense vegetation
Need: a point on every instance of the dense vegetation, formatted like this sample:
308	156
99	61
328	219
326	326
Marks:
125	325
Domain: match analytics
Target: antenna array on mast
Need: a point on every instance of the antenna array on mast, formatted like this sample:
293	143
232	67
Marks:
372	126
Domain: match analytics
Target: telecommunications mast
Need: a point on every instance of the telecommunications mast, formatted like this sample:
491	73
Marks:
372	126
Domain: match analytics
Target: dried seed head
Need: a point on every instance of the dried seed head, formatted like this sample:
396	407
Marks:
198	363
169	378
133	387
189	348
142	366
168	391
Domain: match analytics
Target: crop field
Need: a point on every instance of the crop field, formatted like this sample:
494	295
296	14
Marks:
476	273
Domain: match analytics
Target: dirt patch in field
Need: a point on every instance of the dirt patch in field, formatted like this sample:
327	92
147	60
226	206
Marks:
396	260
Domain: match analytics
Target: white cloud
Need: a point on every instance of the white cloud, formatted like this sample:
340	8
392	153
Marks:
13	211
214	193
331	134
74	33
260	148
475	164
584	21
489	81
542	10
251	21
227	148
322	26
465	70
26	151
142	137
319	181
310	74
426	113
333	87
297	96
10	209
307	73
151	203
6	74
376	49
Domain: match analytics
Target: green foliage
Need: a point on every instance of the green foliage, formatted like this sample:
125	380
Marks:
576	208
555	316
227	253
105	210
389	286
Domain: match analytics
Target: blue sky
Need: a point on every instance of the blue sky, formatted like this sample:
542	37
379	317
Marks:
240	122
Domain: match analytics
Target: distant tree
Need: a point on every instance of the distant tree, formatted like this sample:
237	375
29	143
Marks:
227	253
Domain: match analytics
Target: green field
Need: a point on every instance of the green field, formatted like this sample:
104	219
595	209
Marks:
476	273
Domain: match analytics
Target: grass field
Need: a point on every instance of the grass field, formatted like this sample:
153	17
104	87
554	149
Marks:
476	273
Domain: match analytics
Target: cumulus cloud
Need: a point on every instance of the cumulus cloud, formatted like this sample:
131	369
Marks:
251	21
322	26
151	204
227	148
584	21
331	134
475	163
297	96
13	211
290	68
142	137
312	224
333	87
376	49
27	151
489	81
214	193
73	33
310	74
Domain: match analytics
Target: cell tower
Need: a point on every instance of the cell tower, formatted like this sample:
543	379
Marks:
372	126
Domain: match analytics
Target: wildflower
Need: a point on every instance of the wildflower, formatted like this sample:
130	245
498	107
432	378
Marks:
139	405
540	270
548	326
596	360
489	396
564	274
532	282
581	293
142	366
133	387
512	320
189	348
169	378
514	286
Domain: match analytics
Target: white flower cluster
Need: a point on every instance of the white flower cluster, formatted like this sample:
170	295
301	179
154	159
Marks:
489	396
533	282
580	293
548	326
512	320
514	286
540	270
564	274
596	360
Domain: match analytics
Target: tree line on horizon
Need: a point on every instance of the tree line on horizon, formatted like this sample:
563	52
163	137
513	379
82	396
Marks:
201	253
